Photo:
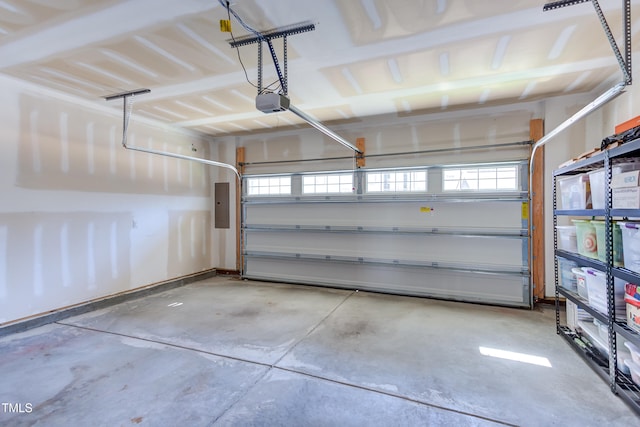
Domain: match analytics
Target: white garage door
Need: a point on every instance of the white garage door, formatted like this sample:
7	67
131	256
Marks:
456	232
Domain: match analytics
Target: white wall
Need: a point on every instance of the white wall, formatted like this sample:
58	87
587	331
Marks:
80	216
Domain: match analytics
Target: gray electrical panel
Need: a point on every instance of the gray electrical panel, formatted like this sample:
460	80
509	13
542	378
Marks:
221	198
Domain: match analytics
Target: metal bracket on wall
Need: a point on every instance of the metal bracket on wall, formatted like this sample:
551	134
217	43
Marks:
127	99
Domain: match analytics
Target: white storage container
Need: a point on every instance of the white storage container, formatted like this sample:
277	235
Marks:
597	183
631	245
572	315
567	238
634	350
635	370
575	192
597	290
603	331
593	335
565	274
581	282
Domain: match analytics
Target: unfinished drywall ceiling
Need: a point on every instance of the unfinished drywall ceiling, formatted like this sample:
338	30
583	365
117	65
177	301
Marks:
365	57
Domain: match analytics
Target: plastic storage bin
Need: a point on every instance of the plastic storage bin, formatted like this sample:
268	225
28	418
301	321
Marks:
593	335
597	183
565	274
575	192
635	370
618	260
634	350
581	282
631	245
586	238
567	238
597	290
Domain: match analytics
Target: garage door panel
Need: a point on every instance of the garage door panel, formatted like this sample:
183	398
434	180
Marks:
349	211
416	246
497	289
459	245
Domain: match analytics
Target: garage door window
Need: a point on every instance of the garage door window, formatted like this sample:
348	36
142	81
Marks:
266	186
396	181
327	183
503	178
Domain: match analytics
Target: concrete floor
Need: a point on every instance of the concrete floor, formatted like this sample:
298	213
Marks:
242	353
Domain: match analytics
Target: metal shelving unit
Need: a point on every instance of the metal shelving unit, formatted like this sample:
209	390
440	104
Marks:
606	366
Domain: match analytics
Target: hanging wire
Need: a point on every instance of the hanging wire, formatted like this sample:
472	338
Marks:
230	12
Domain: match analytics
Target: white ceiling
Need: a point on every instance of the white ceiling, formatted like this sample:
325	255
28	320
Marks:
365	57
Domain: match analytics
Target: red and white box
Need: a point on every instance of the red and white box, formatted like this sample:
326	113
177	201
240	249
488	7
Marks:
632	298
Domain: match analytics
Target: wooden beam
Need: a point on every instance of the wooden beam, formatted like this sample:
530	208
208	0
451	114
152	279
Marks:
360	160
240	159
536	131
